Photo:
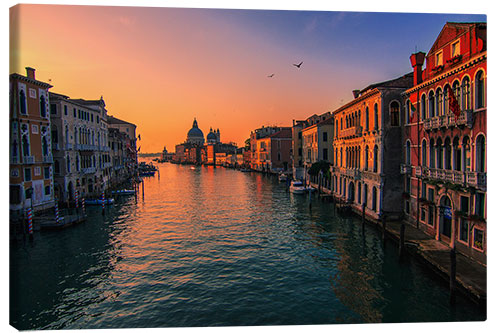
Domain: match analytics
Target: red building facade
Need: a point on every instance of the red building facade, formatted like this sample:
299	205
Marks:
444	140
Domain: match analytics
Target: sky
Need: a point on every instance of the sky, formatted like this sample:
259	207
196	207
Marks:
160	68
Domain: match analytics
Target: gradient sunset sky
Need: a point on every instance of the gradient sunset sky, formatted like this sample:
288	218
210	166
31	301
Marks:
161	67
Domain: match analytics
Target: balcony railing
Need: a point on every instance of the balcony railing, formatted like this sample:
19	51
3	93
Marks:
476	179
471	178
28	159
405	169
48	159
351	132
465	118
88	170
418	171
14	160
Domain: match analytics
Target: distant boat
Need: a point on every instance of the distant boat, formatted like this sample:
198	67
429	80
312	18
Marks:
193	168
297	187
282	177
245	170
123	192
97	202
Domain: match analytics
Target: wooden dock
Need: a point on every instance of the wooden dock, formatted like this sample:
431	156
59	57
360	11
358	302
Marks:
49	223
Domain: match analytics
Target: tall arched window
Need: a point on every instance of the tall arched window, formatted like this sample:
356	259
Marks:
466	148
480	91
424	153
22	102
432	105
341	157
375	116
26	145
408	111
367	119
43	106
457	92
45	148
439	102
432	154
439	153
457	155
375	158
480	154
423	109
359	193
446	99
465	94
408	153
336	131
447	154
366	158
394	111
374	199
57	169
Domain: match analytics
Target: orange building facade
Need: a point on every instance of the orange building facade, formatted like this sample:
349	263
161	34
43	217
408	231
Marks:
31	160
444	140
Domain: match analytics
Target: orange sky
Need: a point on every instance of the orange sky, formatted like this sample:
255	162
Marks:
160	67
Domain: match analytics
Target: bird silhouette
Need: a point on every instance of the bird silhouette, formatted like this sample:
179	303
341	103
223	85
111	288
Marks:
298	65
271	75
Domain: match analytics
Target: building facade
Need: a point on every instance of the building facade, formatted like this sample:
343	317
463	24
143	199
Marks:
444	140
31	180
366	149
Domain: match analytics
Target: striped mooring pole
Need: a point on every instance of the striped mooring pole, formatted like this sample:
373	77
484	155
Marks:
83	206
103	202
30	223
57	211
76	200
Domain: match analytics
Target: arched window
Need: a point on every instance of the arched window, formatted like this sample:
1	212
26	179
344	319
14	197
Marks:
365	195
446	100
68	164
366	158
432	154
408	153
375	158
22	102
359	193
336	131
43	106
447	154
439	102
45	148
26	145
341	157
480	91
466	153
394	111
457	155
375	116
367	117
424	153
465	100
432	105
374	199
408	111
480	154
439	153
57	169
423	109
341	127
457	92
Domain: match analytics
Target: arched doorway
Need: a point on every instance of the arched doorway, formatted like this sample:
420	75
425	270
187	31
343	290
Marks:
445	216
71	190
351	192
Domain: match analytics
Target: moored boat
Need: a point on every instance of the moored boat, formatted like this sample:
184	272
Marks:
95	202
297	187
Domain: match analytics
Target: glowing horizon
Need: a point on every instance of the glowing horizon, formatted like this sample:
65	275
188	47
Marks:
159	68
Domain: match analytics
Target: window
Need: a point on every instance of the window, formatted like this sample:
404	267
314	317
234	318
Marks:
325	136
424	190
46	172
455	48
74	112
408	112
423	109
466	146
27	174
375	158
447	154
439	154
479	209
430	196
359	193
374	199
408	184
407	207
15	194
325	154
480	154
53	109
424	153
22	102
439	58
432	105
375	116
366	158
480	97
439	102
394	111
300	151
65	110
43	107
478	238
463	233
47	190
57	168
408	153
367	117
422	214
430	219
464	204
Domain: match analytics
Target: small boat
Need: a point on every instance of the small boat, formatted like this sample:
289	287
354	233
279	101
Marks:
310	189
97	202
245	170
146	173
297	187
282	177
193	168
123	192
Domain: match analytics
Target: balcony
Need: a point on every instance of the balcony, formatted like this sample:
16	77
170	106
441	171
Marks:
14	160
351	132
405	169
104	148
476	179
85	147
86	171
418	171
451	176
29	159
466	118
48	159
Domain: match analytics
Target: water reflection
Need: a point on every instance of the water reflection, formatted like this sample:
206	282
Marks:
212	246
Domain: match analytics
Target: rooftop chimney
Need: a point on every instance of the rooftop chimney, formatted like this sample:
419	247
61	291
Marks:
30	72
355	93
417	60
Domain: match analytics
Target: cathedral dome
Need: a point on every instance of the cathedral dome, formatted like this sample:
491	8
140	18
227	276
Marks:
195	134
211	137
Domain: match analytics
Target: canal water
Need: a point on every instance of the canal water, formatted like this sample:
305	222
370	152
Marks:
213	246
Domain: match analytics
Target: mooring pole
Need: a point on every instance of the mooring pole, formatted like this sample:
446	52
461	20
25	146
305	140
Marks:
30	224
143	190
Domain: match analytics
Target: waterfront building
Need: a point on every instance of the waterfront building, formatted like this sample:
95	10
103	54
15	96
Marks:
80	146
119	154
274	151
444	140
30	171
317	142
129	129
367	149
256	155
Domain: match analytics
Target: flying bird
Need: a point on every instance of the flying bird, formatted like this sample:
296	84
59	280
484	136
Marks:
271	75
298	65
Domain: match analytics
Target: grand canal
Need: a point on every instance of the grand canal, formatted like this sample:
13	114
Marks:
210	247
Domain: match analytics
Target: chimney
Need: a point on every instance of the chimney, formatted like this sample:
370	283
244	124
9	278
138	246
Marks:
30	72
355	93
417	60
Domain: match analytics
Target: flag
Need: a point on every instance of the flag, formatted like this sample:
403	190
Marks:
454	106
413	109
139	149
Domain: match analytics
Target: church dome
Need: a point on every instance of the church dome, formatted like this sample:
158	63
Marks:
195	134
212	137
